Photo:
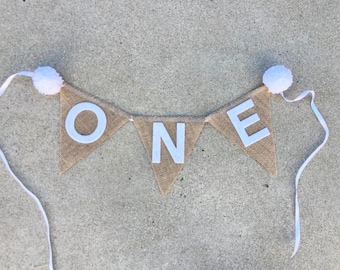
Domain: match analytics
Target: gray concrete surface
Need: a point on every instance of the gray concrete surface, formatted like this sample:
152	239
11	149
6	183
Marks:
170	58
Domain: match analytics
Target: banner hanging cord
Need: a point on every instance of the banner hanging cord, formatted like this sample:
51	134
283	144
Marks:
37	201
303	166
10	78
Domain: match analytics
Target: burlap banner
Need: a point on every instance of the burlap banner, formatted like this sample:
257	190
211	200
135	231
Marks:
168	142
86	122
249	116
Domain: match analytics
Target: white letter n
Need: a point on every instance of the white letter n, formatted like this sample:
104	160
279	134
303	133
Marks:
160	132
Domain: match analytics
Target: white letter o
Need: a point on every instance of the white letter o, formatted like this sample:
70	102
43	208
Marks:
72	115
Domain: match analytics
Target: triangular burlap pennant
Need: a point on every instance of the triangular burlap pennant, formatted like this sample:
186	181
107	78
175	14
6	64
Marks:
72	151
167	170
263	151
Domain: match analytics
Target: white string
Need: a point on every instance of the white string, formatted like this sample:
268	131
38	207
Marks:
38	204
298	175
10	78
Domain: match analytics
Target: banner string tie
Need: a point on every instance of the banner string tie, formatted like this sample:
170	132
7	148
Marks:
10	78
37	201
303	166
48	82
278	79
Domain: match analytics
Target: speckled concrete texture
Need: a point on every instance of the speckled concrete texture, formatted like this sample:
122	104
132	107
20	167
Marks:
170	58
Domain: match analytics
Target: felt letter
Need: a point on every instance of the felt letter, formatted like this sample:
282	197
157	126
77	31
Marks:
71	118
241	125
160	132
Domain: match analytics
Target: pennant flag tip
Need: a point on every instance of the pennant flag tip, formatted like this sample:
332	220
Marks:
165	189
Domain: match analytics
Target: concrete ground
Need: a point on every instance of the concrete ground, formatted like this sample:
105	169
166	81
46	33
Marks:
170	58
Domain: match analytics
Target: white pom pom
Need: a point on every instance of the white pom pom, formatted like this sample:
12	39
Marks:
278	79
47	80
